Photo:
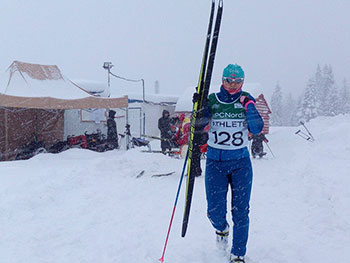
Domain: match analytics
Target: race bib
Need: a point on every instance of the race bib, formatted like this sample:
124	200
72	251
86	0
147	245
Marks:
228	134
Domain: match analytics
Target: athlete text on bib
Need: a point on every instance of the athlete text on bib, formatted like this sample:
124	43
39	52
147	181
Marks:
228	128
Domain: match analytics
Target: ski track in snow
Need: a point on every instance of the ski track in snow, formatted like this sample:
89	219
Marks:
83	206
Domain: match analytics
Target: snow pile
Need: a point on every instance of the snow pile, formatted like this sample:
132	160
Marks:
83	206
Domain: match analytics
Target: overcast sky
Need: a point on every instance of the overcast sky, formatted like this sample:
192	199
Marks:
273	40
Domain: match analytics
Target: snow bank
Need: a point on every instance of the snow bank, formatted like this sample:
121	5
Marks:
83	206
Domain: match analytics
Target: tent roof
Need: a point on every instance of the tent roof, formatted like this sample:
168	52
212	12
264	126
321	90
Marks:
44	86
53	103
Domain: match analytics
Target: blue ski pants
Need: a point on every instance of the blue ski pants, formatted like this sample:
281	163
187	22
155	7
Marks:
218	176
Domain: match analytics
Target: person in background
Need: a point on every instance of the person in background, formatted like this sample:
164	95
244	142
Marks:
165	131
112	134
182	134
257	148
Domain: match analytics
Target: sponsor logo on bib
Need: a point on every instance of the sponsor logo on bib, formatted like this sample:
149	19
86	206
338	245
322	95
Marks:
228	115
238	106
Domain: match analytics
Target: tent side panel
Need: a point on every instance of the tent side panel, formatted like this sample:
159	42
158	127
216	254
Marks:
20	130
26	125
49	127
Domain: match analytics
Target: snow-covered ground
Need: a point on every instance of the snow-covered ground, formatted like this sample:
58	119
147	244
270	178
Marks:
83	206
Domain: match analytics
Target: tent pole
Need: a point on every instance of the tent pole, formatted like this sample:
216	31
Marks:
6	134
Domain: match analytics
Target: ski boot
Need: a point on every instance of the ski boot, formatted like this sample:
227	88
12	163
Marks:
222	238
236	259
262	154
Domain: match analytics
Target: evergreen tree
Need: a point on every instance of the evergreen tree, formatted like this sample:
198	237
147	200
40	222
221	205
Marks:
289	110
298	113
334	106
318	82
308	103
276	107
344	98
326	104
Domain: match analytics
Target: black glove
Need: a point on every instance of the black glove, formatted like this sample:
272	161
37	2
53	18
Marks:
204	137
195	97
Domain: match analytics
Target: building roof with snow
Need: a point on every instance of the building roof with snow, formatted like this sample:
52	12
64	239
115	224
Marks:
95	88
100	89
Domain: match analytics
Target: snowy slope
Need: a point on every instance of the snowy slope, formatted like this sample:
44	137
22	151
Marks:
82	206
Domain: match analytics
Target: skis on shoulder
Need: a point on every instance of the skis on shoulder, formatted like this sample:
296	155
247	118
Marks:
193	160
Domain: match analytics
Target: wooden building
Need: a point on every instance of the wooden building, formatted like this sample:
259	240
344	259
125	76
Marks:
264	110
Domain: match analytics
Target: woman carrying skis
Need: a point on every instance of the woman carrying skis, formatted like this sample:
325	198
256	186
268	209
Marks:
231	114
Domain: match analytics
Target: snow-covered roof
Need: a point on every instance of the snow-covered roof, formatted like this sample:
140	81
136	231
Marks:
134	91
96	88
155	98
184	104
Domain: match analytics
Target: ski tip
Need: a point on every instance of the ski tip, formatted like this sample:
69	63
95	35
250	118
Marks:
184	230
161	259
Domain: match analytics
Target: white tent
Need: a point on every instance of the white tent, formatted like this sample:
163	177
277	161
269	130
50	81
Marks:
37	86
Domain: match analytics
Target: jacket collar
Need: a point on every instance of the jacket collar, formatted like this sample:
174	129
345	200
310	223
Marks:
224	96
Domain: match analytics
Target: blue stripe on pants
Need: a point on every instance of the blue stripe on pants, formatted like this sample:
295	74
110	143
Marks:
218	176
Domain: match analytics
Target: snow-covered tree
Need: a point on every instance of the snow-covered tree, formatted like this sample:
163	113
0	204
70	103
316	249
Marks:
289	110
318	83
276	107
333	100
308	104
298	113
326	107
344	98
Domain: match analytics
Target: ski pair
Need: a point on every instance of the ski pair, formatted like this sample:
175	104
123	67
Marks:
192	159
303	135
196	130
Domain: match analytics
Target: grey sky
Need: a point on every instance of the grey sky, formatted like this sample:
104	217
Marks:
164	39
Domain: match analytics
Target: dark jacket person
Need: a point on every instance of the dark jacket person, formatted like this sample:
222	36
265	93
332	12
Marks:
165	130
112	135
257	144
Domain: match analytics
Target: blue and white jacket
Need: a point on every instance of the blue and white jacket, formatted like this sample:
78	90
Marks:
254	121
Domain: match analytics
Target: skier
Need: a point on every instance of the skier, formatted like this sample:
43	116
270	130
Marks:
112	135
165	131
231	114
257	144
